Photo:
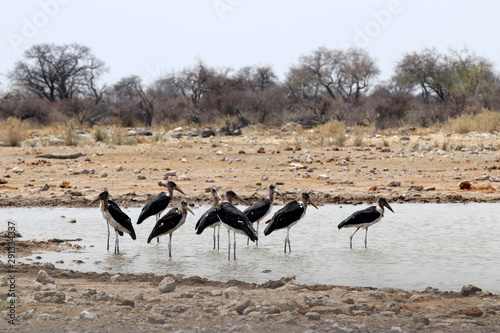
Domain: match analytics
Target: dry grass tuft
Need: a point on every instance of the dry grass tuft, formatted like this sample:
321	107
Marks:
486	121
13	131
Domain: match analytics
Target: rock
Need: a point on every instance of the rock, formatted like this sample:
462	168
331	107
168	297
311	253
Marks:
104	175
167	285
183	177
465	185
422	320
336	328
89	293
261	150
46	317
396	329
232	293
312	316
385	150
3	281
103	297
404	138
85	315
170	173
127	302
394	307
139	297
43	277
323	177
45	187
119	168
415	188
115	278
473	312
394	184
10	234
240	305
431	188
469	290
17	170
50	296
155	318
3	181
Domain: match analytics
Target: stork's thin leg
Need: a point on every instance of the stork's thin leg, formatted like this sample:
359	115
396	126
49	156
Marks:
288	240
257	241
214	237
117	243
218	236
234	249
366	236
157	218
248	240
350	238
228	244
169	245
108	235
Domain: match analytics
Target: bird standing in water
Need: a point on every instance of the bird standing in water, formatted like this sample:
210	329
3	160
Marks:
365	218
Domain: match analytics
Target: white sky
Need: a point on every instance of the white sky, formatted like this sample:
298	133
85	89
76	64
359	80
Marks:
149	38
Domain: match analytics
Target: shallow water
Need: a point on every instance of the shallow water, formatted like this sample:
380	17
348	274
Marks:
445	246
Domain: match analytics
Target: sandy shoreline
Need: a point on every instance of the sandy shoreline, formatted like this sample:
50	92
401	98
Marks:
409	168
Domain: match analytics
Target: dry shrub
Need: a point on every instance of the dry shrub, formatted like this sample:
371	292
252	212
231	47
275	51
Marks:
486	121
335	130
13	131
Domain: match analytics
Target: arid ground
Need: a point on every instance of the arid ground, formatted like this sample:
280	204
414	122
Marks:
402	167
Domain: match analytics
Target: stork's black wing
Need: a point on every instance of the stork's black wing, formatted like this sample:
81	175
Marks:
235	218
154	206
120	217
284	217
206	220
257	210
366	215
166	223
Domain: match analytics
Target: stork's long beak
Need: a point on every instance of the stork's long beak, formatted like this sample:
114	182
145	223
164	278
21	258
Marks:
218	196
239	198
312	203
95	200
189	210
177	188
389	207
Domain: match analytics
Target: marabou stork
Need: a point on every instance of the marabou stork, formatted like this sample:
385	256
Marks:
210	218
159	203
235	221
365	218
170	222
261	208
288	216
114	217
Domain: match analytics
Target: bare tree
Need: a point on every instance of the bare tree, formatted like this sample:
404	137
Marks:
58	72
332	78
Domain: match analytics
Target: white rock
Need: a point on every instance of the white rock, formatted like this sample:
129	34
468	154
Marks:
17	170
167	285
85	315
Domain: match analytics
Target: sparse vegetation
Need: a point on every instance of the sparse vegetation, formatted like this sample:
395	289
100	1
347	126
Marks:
100	134
12	132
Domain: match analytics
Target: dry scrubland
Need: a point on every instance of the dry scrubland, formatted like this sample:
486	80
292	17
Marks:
337	165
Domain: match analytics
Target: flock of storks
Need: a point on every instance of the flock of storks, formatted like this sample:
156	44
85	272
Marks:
223	212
